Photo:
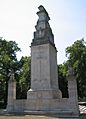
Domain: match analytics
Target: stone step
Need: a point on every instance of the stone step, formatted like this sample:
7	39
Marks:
58	113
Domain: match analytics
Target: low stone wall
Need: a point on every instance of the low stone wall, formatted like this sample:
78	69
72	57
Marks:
58	105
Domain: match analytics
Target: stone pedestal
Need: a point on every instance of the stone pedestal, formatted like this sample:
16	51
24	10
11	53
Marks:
44	76
43	67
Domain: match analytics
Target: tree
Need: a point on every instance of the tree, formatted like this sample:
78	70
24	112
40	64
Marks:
63	84
76	54
8	62
24	78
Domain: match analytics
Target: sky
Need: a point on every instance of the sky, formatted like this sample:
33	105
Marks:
18	19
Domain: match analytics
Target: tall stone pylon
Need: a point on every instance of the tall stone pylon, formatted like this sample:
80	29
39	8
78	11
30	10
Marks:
44	77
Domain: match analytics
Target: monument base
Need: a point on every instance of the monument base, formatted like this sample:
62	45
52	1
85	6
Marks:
59	107
44	94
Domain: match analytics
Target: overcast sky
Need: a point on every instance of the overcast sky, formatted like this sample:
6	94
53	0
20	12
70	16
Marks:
18	19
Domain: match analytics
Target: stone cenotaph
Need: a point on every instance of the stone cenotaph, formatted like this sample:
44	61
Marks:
44	97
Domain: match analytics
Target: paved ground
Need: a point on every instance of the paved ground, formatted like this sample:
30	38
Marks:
37	117
33	117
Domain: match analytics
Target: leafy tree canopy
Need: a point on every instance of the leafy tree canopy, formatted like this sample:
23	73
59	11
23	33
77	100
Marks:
23	83
8	62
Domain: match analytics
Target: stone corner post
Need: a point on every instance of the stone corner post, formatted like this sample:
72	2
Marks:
72	90
11	92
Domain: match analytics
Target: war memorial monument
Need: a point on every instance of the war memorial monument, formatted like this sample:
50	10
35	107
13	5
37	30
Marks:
44	97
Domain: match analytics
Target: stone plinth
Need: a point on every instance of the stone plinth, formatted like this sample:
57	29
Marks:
44	76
